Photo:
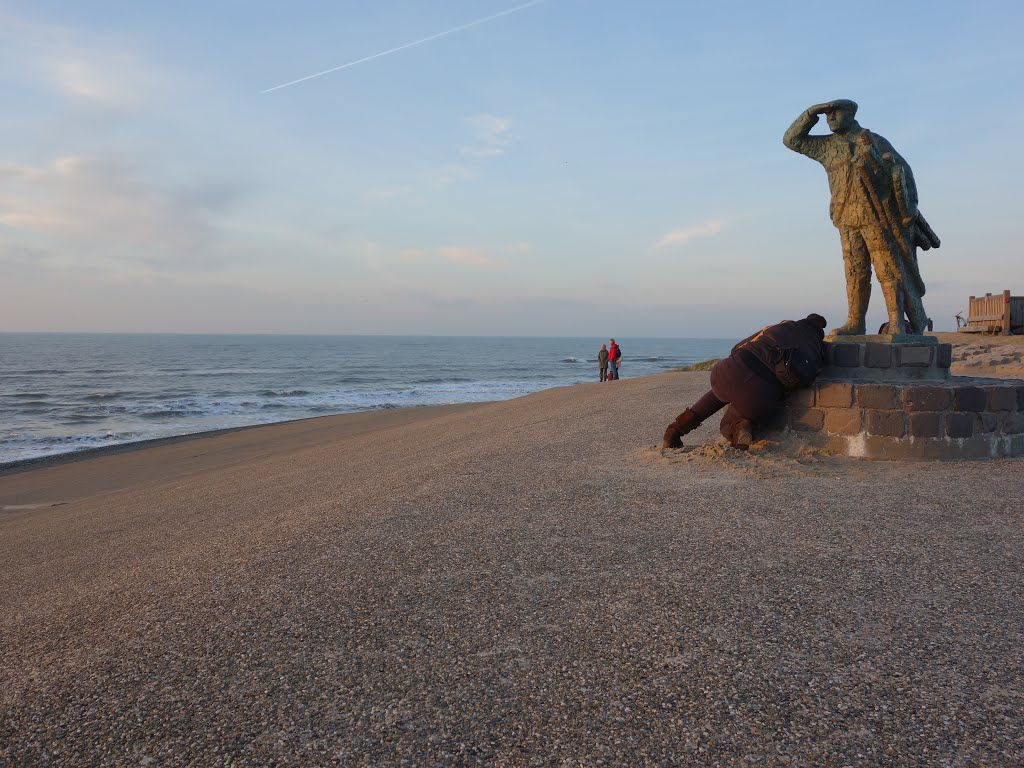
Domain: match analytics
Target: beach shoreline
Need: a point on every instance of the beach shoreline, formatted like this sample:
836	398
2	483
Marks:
38	462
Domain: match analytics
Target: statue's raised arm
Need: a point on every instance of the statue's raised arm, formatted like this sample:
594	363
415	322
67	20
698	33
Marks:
798	135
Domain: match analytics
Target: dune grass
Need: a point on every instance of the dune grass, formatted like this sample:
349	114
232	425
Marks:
703	365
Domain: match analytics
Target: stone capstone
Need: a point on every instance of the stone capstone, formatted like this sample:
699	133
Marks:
870	359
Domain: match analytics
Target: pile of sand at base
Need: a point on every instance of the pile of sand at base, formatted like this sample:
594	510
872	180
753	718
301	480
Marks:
784	453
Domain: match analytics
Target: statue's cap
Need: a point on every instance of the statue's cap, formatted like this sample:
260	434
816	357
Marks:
845	104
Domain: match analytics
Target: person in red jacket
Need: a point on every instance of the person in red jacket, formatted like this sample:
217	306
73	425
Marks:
614	355
754	378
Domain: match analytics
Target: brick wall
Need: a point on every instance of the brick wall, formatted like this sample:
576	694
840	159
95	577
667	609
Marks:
957	418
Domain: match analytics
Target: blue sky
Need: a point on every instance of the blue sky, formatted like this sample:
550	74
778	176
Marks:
580	167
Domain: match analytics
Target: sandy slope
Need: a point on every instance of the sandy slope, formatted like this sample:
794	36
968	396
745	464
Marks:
516	583
990	358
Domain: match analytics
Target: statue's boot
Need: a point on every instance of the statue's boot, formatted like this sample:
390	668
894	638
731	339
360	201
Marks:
850	328
743	435
858	294
894	304
685	423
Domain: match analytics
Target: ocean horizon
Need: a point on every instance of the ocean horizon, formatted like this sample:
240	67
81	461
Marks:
65	392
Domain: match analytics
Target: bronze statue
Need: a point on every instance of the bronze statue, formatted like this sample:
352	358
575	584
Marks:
874	207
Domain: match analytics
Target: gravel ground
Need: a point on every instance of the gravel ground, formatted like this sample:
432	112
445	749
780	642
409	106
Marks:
518	583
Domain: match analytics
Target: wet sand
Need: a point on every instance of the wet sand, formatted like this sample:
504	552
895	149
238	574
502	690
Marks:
519	583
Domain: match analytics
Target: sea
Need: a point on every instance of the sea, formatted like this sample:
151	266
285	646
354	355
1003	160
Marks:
64	392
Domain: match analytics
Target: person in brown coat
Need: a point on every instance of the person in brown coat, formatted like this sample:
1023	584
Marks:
754	378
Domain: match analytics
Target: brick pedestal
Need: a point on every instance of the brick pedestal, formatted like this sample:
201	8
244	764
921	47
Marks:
898	401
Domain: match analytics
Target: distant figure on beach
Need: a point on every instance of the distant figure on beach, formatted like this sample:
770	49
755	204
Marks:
602	362
754	378
614	357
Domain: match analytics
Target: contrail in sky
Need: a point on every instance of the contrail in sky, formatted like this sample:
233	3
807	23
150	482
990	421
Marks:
452	31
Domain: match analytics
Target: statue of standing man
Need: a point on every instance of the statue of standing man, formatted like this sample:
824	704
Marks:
874	207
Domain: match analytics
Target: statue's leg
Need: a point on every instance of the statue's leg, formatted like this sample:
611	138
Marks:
857	262
885	260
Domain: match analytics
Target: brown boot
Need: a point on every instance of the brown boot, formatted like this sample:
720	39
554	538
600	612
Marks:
743	435
685	423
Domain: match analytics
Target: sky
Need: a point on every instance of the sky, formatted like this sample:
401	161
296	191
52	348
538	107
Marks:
577	167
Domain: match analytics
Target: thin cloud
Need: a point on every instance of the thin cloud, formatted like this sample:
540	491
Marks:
383	194
482	153
103	210
493	139
413	44
91	69
490	128
452	174
83	79
469	257
680	237
460	255
492	136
